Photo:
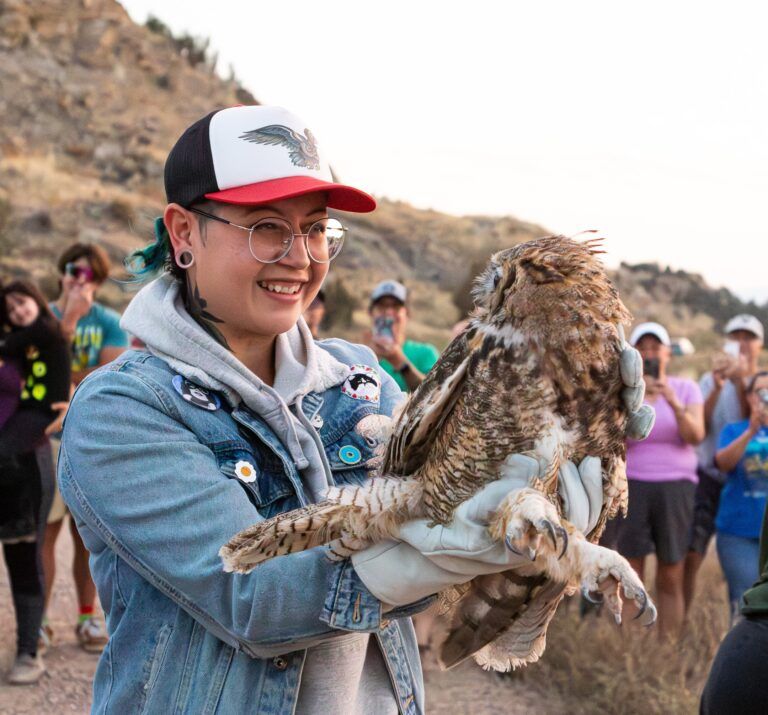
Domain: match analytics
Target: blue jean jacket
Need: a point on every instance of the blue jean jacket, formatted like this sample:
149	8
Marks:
151	481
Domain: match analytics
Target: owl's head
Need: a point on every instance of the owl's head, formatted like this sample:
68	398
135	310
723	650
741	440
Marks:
546	283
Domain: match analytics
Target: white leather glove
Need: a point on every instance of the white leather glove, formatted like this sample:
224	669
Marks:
429	559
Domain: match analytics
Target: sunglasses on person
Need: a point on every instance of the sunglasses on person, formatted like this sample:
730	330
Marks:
78	272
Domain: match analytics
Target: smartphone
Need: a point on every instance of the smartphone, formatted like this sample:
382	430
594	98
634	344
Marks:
382	327
651	367
732	348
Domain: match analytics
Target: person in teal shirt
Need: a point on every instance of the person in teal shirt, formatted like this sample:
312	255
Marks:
407	361
96	339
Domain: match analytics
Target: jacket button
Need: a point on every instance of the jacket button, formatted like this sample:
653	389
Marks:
280	663
317	421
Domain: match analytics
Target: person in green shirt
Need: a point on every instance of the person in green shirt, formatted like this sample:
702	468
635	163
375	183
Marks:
407	361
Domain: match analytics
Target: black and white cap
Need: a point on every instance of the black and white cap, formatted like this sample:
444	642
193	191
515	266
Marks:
253	155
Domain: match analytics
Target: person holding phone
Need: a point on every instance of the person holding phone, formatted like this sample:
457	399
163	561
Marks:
662	476
743	457
725	402
407	361
96	339
736	680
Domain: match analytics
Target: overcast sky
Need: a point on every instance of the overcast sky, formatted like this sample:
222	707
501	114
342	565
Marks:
648	121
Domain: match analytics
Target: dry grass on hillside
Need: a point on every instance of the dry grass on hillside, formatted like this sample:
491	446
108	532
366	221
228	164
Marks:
596	667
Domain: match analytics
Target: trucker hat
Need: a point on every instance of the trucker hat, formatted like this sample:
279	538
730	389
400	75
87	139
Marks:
745	322
253	155
655	329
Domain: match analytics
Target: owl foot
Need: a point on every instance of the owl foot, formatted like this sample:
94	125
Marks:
528	523
608	574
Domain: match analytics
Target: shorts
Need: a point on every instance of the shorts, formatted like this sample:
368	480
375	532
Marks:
705	505
658	520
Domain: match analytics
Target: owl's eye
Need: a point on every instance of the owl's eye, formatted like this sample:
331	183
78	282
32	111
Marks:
496	278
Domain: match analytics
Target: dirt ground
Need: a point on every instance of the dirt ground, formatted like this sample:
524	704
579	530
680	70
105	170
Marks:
66	687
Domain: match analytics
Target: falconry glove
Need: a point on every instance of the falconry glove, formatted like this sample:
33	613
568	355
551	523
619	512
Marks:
429	559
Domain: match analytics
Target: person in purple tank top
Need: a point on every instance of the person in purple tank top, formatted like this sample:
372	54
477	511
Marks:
662	476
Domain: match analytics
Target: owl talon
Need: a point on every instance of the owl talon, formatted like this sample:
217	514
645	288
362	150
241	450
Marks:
510	546
587	594
642	601
564	536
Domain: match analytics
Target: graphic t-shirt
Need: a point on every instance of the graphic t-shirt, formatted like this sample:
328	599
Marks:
742	501
422	356
43	355
98	328
663	456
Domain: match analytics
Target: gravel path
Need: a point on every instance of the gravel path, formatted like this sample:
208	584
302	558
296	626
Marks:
66	687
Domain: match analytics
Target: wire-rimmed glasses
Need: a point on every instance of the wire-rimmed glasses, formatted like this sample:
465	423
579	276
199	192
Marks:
271	239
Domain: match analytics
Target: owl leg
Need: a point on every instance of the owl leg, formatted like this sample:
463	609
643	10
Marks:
529	524
607	572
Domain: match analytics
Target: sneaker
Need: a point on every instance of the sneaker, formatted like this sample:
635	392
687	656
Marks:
91	635
44	639
27	670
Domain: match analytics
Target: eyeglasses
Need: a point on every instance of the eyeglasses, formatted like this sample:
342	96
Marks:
271	239
78	272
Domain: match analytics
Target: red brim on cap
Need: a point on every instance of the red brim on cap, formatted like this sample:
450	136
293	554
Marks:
343	198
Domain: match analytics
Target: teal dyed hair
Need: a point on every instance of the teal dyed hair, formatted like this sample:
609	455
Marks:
146	262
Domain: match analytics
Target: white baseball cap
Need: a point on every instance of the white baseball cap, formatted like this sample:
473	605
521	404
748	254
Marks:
655	329
253	155
745	322
390	288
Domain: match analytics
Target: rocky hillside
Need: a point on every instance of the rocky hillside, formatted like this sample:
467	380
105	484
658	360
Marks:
91	103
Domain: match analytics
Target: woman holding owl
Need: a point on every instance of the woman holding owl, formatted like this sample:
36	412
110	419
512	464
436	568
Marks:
234	413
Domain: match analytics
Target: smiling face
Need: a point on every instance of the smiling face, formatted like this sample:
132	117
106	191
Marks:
22	310
235	294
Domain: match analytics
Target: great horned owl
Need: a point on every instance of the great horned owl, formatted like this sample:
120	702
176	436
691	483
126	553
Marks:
535	372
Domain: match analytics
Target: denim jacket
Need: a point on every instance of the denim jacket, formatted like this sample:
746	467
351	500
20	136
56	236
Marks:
152	482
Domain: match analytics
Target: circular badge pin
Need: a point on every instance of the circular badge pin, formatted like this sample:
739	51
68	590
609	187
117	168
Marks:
196	395
349	454
245	472
317	421
362	383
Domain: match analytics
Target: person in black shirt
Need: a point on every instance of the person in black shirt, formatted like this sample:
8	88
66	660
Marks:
30	339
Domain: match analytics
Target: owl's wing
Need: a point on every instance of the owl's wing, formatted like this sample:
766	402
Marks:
431	403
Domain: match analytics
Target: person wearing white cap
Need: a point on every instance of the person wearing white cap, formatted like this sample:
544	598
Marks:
234	413
405	360
725	402
662	476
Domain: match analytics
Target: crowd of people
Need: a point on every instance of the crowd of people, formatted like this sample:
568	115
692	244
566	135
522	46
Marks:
187	407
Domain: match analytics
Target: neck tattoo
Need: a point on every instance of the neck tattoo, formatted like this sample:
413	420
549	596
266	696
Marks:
196	307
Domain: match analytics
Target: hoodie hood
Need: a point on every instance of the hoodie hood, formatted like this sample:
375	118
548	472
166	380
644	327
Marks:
157	316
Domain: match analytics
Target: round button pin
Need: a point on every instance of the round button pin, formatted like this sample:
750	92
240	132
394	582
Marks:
317	421
349	454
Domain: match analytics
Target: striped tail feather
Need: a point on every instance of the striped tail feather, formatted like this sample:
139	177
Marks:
526	638
349	516
506	605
